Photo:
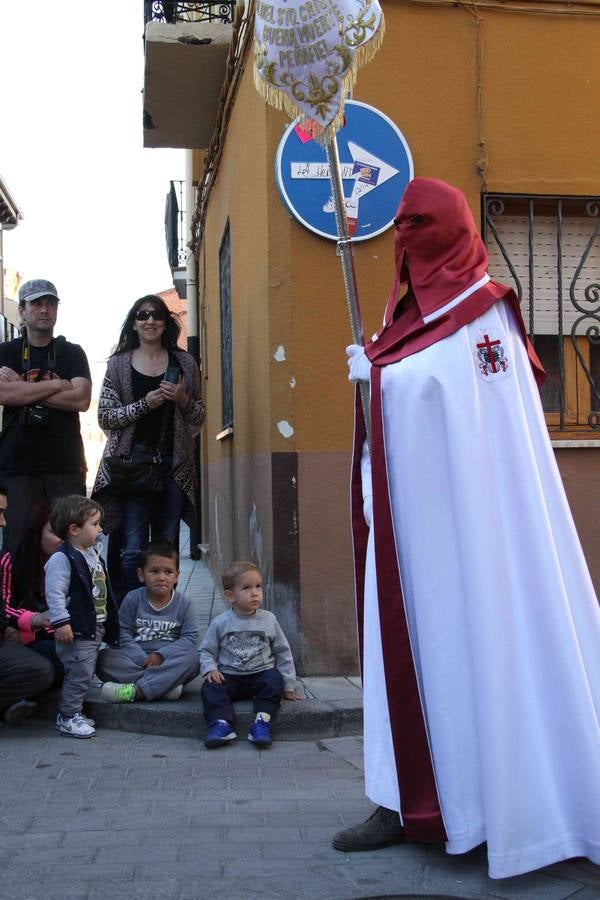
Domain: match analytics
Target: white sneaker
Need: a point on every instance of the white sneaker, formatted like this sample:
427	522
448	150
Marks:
76	727
174	694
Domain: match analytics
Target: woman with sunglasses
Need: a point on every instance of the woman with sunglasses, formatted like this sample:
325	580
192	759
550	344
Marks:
142	412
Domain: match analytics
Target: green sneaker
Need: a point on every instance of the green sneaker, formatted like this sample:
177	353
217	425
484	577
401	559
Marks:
118	693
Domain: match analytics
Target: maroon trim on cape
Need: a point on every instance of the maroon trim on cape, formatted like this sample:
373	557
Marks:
406	335
420	807
360	530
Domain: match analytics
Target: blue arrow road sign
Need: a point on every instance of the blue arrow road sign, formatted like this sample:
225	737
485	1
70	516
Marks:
376	167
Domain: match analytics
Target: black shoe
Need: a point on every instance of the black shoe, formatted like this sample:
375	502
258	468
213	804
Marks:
19	711
382	829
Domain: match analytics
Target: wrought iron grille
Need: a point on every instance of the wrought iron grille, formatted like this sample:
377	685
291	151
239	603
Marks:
172	11
226	348
548	249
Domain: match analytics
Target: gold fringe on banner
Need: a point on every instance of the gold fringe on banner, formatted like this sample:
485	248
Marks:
275	95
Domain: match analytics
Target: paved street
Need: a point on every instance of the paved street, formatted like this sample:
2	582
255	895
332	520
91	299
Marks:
141	816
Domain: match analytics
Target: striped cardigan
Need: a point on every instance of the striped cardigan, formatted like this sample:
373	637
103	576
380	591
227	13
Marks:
118	413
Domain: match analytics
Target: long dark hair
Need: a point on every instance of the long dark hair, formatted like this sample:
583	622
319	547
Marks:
28	560
129	340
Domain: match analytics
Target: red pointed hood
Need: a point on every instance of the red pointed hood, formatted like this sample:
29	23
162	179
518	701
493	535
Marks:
439	252
437	246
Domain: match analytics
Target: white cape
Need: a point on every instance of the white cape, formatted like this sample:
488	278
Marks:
504	621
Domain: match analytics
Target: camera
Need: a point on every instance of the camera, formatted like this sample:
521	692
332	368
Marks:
34	416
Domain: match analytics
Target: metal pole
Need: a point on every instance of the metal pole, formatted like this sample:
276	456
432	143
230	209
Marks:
344	245
193	324
1	270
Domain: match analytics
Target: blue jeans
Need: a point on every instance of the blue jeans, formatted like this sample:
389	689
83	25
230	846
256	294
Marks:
147	518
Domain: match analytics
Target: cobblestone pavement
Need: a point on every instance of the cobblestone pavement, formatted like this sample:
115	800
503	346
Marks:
140	816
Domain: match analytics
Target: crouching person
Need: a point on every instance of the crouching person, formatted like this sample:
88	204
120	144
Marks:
244	656
158	645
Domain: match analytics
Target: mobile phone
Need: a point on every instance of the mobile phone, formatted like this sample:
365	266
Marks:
172	374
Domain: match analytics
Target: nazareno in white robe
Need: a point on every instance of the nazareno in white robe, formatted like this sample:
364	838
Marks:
503	619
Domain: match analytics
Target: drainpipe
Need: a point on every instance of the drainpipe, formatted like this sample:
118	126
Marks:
191	272
2	274
193	340
2	271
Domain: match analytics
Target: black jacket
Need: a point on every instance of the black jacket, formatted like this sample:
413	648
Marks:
82	611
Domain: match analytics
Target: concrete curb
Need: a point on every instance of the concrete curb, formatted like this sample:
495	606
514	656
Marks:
297	721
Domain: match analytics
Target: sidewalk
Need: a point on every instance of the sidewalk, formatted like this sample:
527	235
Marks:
140	817
331	706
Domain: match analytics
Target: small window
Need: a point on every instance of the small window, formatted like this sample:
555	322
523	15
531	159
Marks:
548	250
226	347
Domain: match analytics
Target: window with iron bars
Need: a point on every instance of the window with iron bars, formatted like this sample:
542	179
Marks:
226	346
548	249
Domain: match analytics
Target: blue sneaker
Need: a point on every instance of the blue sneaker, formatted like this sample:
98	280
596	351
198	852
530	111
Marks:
219	732
260	734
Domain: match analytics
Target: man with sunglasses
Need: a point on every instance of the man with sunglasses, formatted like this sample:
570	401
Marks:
45	383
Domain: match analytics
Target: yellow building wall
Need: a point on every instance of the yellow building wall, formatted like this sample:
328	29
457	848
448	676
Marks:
237	468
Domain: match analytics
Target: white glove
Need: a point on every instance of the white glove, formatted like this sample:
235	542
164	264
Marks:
358	364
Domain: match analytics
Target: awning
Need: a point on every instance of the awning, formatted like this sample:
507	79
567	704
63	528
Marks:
10	214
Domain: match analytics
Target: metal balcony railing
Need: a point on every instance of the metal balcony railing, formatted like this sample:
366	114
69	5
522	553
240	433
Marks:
172	11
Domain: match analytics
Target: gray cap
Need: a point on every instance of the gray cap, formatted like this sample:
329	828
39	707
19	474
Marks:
33	290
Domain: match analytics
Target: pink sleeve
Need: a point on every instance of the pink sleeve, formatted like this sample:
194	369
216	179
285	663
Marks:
27	633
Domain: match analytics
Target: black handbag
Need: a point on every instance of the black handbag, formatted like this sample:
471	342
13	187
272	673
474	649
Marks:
132	476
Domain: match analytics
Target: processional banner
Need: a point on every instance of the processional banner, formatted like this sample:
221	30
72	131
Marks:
307	54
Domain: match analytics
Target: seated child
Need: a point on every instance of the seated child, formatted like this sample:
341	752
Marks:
244	655
80	607
158	647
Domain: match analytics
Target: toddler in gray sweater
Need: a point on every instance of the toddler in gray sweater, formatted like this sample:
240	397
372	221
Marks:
244	655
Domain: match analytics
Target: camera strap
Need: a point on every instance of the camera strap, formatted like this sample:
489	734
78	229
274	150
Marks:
26	359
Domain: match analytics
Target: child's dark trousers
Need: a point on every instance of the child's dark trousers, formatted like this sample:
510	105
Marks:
264	688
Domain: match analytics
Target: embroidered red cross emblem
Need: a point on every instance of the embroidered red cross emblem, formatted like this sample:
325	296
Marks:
489	353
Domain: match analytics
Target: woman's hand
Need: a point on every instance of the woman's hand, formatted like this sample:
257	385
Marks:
154	399
40	620
174	392
213	677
